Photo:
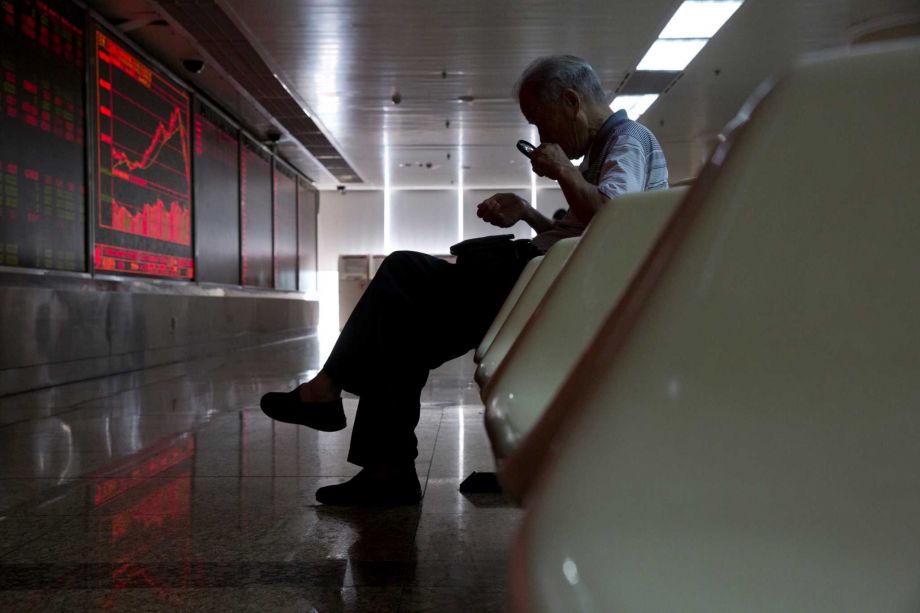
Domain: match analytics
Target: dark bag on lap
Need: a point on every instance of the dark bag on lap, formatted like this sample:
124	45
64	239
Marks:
497	250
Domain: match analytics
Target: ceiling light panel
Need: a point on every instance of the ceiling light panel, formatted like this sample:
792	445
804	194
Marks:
670	54
699	18
634	106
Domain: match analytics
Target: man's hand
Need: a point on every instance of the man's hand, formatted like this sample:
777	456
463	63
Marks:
502	210
550	161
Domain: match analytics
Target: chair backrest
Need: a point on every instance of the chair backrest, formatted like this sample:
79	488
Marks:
507	305
583	294
745	430
524	307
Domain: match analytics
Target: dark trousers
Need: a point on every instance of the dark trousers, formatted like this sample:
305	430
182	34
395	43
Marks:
417	313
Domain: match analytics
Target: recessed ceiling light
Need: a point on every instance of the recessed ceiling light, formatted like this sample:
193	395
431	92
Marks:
671	54
699	18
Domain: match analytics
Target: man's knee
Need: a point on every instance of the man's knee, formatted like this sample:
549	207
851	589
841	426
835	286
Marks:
399	257
400	263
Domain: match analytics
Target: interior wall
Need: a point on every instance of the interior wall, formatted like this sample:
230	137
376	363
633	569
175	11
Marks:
349	223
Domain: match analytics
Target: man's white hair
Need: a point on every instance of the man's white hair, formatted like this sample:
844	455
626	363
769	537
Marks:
548	76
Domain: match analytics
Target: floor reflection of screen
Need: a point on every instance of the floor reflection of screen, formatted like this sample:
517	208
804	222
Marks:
141	510
42	194
144	213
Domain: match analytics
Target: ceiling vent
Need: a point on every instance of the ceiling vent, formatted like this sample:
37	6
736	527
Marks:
219	36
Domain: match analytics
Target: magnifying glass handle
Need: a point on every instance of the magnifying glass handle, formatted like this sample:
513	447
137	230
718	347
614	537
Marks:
525	148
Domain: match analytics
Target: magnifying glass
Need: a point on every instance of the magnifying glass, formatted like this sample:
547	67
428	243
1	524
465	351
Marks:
525	148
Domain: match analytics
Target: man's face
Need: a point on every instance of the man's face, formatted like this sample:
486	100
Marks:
555	123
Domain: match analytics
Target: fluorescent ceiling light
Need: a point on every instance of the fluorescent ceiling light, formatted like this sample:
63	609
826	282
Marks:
699	18
634	106
667	54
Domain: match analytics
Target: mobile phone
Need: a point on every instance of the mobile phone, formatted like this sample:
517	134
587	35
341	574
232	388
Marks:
525	148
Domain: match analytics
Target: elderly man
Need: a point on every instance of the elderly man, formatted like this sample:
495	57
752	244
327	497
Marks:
420	311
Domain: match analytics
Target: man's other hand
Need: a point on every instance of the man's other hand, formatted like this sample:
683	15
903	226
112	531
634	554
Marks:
549	160
502	210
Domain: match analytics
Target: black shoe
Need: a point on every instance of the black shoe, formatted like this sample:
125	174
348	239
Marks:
288	407
366	488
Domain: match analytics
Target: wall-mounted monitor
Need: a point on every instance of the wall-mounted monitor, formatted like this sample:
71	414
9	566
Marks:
256	213
307	202
143	167
285	193
42	160
217	196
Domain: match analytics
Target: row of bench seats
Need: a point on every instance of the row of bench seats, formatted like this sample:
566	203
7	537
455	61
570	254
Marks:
709	401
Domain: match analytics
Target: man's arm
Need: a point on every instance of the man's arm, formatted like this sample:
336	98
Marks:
584	198
536	220
506	209
623	171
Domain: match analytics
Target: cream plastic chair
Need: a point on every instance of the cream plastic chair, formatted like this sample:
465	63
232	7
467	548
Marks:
524	307
583	294
744	434
507	305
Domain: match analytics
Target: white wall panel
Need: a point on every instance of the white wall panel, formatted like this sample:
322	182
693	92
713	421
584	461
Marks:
423	220
349	223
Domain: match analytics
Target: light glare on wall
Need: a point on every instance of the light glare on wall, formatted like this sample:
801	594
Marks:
699	18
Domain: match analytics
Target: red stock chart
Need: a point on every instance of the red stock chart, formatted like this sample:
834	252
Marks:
143	216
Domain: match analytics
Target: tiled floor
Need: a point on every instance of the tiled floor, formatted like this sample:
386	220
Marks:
168	489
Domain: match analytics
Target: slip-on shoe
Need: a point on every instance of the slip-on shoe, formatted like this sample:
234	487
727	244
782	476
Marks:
366	489
326	416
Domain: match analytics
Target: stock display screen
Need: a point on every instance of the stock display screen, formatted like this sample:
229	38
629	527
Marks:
217	197
42	160
306	236
144	211
144	140
285	228
256	214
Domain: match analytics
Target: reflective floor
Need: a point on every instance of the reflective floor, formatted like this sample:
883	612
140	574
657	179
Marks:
167	489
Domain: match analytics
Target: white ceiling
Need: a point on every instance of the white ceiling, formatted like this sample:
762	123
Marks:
344	60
